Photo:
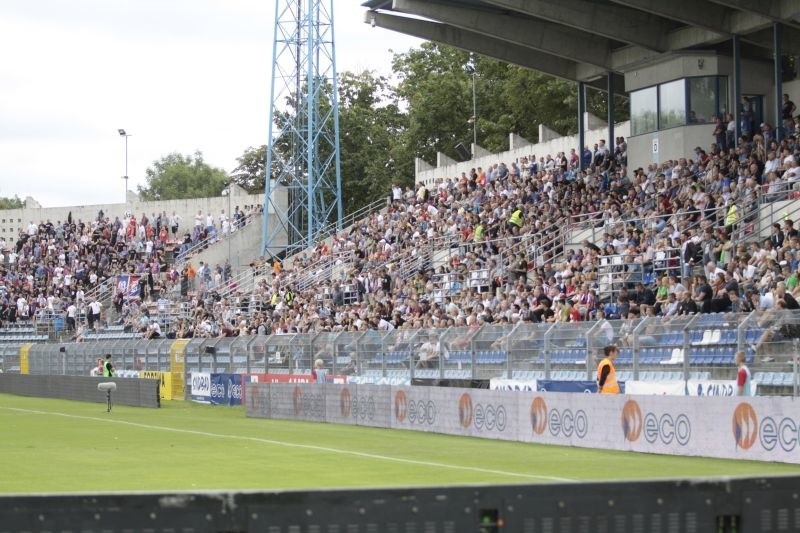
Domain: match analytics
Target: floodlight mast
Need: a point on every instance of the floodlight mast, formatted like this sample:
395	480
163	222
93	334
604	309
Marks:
123	133
302	200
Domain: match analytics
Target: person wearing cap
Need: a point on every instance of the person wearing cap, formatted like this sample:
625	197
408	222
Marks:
606	374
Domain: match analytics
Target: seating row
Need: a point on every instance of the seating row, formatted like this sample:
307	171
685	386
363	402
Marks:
775	379
700	355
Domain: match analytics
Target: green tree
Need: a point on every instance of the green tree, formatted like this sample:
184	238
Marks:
372	156
177	176
251	172
371	127
436	86
437	90
11	203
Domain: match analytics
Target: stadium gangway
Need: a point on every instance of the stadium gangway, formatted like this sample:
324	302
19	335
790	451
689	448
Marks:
327	232
614	273
542	251
330	230
329	268
440	251
775	207
424	256
349	220
245	281
103	291
213	238
592	228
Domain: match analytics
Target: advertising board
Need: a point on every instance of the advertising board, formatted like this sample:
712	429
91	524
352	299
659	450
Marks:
757	428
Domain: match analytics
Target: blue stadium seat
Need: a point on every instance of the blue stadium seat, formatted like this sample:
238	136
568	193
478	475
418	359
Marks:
576	354
650	356
663	353
486	357
700	355
559	356
625	356
460	356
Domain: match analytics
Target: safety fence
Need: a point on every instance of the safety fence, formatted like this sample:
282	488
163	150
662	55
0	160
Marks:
699	346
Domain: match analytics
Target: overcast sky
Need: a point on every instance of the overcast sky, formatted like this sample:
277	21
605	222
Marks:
178	75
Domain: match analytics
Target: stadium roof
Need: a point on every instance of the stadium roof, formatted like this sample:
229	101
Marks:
584	40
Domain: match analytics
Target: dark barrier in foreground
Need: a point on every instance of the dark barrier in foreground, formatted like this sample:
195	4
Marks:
741	505
134	392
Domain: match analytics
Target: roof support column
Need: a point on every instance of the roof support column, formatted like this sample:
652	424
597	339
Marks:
777	36
612	141
737	88
581	127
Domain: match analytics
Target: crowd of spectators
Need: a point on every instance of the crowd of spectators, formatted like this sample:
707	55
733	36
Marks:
681	232
52	271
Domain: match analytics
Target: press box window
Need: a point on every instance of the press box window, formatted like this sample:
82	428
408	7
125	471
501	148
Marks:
708	98
644	111
671	104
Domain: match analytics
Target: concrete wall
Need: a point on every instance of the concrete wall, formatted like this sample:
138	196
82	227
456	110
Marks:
243	246
673	68
673	143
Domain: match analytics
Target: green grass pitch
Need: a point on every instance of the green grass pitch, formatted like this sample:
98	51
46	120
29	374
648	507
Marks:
60	446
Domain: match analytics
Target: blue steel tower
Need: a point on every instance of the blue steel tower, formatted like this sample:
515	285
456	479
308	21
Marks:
302	201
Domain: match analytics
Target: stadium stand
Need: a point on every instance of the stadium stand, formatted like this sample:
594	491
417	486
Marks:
475	260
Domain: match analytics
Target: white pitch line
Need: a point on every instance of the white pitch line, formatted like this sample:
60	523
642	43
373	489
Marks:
297	445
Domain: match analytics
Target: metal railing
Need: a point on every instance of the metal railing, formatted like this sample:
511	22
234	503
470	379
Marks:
696	347
213	238
245	281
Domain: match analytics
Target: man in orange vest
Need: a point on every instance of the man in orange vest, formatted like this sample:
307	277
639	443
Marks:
606	375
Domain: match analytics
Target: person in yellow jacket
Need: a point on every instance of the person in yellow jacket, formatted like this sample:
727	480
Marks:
606	375
515	220
731	217
478	234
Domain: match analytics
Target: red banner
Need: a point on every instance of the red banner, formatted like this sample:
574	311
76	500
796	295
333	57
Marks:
285	378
